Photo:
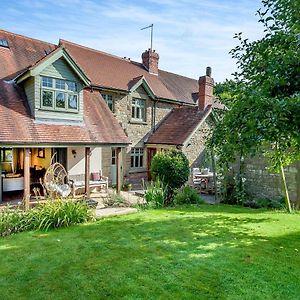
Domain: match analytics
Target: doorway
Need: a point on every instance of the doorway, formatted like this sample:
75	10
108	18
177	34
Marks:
61	156
113	166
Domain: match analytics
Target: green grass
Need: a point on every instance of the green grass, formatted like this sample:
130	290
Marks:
209	252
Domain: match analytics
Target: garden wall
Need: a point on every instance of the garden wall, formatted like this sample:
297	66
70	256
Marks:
262	183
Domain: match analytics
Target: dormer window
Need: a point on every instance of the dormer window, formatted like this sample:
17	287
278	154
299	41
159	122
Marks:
59	94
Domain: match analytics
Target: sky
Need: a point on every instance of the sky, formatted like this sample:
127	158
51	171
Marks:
189	35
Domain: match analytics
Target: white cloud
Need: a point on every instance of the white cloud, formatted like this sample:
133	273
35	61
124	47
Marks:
188	34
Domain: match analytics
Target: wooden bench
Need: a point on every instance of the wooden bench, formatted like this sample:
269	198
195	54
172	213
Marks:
96	180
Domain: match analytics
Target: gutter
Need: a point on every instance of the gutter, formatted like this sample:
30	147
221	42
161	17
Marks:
60	145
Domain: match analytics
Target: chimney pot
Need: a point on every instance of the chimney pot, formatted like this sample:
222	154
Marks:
208	71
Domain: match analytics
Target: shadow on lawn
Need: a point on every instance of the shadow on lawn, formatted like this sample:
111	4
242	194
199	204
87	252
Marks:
172	253
223	208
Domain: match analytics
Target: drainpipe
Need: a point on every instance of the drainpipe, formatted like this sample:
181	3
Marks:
154	116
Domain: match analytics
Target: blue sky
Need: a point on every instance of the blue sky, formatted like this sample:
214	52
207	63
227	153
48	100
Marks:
189	35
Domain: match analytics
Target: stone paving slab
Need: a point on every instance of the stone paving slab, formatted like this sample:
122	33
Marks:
114	211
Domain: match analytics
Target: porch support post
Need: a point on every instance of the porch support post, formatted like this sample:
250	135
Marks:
26	177
87	171
119	171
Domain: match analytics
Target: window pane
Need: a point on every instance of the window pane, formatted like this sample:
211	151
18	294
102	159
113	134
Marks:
72	101
138	109
136	162
47	98
109	100
7	157
72	86
132	161
60	84
113	156
137	157
47	82
60	100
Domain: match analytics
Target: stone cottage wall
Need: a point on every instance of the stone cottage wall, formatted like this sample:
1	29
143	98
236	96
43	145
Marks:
136	131
195	147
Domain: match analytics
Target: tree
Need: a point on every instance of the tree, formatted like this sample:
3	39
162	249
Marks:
264	110
172	168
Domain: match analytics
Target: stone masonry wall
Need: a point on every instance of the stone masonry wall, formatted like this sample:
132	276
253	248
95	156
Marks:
194	150
262	183
136	131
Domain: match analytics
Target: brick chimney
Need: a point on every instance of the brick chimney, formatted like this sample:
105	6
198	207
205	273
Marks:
150	61
206	86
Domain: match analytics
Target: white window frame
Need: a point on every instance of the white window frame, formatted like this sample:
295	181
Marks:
138	109
137	158
46	86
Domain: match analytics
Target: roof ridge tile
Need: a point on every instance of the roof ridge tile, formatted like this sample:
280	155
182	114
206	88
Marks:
93	50
26	37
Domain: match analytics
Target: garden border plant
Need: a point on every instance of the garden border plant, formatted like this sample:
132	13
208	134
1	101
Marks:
51	214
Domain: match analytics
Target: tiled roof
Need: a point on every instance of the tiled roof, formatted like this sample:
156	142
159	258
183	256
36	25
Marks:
21	54
18	126
104	70
178	125
110	71
185	89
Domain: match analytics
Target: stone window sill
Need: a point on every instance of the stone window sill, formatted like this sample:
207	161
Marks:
138	122
137	170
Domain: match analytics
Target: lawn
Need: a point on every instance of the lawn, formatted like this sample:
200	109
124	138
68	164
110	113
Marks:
209	252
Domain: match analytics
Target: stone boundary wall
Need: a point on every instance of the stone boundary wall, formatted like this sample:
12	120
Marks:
262	183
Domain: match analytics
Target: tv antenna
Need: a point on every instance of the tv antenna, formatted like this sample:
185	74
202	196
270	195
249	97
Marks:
151	36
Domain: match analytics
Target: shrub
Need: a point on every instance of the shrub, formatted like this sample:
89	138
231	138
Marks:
12	221
51	214
59	213
155	194
233	190
264	203
188	195
172	168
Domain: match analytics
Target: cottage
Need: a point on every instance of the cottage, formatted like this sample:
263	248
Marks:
47	107
95	110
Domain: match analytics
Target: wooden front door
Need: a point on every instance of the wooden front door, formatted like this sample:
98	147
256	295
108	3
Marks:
150	153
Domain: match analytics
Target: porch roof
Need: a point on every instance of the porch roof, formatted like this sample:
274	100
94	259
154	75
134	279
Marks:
18	127
178	126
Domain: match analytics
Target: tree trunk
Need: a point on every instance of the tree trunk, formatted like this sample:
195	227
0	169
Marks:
298	185
213	161
285	189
